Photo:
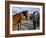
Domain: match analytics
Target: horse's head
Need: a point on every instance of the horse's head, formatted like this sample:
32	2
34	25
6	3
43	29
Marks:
35	15
25	14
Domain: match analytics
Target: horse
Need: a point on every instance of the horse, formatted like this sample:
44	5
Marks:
35	19
17	18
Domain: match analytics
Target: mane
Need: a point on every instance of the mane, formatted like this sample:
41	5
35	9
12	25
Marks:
20	13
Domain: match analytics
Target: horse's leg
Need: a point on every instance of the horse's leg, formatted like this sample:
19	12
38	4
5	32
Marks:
38	23
14	27
19	25
34	24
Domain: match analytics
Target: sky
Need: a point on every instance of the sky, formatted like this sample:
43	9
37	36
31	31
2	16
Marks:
20	9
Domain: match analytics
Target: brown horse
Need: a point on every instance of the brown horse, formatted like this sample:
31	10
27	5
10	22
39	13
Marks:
18	18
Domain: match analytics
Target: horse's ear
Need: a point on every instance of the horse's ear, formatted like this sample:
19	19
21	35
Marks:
35	12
